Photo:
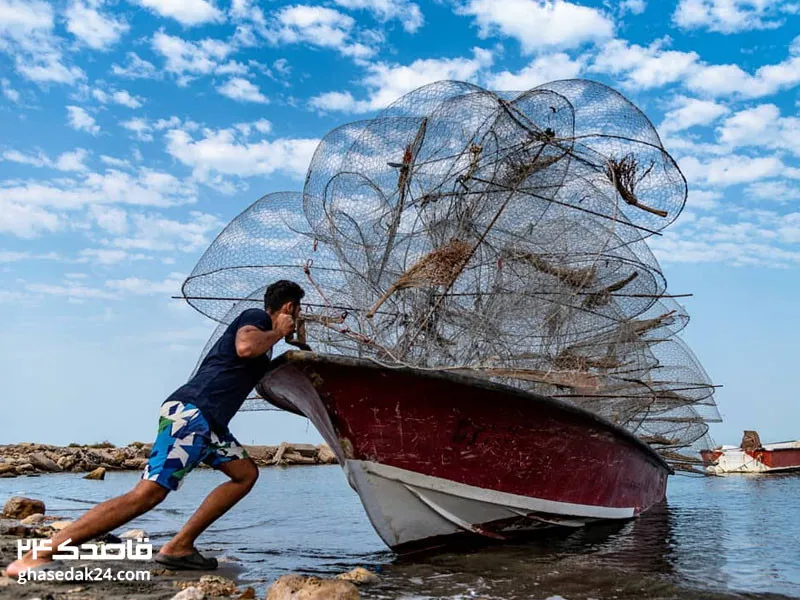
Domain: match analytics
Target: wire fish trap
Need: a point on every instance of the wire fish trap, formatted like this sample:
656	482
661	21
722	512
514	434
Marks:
497	234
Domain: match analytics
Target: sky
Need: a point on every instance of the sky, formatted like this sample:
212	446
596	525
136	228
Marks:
134	130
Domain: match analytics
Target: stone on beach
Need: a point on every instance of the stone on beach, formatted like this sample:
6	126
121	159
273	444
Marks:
325	455
359	576
34	519
134	534
98	474
19	507
298	587
59	525
41	461
211	585
190	593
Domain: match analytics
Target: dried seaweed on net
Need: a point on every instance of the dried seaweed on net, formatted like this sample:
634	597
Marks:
496	234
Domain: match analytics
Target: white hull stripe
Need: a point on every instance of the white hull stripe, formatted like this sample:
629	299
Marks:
512	501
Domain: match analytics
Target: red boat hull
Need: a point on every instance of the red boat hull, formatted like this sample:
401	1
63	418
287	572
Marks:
484	444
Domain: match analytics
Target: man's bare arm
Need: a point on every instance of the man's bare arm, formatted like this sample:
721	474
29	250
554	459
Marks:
252	341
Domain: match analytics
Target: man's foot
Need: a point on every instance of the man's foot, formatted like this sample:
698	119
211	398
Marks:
25	563
188	562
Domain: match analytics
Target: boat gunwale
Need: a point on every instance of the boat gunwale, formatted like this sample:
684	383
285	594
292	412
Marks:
301	356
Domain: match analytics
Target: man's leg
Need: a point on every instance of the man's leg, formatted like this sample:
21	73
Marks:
101	519
243	474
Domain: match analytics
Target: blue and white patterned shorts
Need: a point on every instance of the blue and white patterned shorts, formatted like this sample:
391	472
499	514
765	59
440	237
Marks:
184	440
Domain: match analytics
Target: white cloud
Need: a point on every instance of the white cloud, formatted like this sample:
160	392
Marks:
80	120
155	233
644	67
185	58
91	27
778	191
136	68
730	170
27	36
114	162
42	201
228	152
544	68
145	287
339	102
242	90
636	7
761	127
108	256
121	97
111	219
140	127
703	199
740	238
727	16
72	161
408	13
70	289
186	12
540	24
26	221
317	26
691	112
386	83
68	161
9	92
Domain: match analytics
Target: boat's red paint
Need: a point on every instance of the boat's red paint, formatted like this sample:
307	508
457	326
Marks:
470	431
785	458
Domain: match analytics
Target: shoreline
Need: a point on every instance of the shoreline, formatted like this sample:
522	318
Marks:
32	459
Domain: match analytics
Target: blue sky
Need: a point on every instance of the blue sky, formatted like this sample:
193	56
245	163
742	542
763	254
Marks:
135	129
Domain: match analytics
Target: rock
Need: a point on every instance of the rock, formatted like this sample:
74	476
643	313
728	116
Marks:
297	587
248	593
7	467
59	525
5	581
282	449
134	464
307	450
97	475
325	455
299	459
189	593
19	507
134	534
25	468
15	530
359	576
8	475
41	461
210	585
34	519
66	462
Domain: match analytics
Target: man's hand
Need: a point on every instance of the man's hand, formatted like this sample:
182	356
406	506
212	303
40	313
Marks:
284	324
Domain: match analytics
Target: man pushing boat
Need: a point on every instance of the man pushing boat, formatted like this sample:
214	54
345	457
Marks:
193	429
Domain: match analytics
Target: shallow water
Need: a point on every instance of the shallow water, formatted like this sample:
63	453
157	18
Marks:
715	537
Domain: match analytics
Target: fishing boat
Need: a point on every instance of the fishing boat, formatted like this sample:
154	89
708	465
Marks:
753	457
438	458
494	348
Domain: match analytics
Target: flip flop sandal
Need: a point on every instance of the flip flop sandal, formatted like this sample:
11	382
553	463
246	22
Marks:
191	562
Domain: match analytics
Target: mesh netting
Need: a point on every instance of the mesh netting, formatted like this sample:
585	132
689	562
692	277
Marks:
501	235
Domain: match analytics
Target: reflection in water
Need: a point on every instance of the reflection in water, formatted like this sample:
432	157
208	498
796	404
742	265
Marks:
713	538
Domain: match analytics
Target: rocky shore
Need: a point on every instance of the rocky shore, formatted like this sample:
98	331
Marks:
25	518
33	459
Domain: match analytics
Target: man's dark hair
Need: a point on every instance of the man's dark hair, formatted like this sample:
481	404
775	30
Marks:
281	292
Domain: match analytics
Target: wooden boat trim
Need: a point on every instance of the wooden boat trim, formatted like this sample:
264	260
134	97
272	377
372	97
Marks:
303	357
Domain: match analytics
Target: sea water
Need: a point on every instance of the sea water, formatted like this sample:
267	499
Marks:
715	537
